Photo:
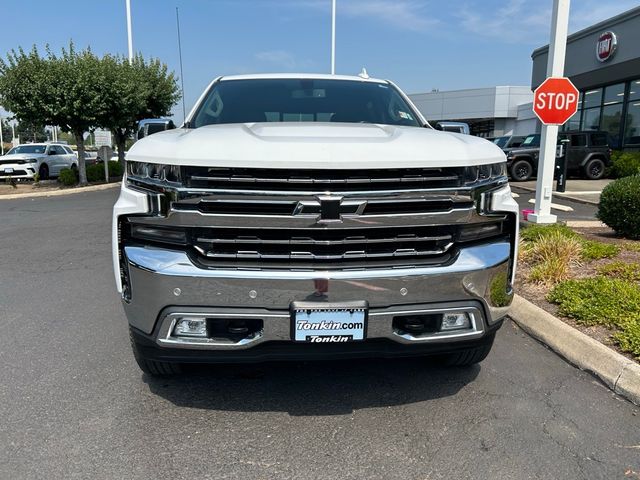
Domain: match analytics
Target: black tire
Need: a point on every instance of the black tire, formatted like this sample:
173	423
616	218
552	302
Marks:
594	169
521	171
43	172
470	356
74	169
154	368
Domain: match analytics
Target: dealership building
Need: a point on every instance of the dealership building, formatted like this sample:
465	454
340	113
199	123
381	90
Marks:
603	62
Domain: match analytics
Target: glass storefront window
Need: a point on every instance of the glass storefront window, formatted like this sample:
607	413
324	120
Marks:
573	123
634	90
592	98
591	119
632	128
614	93
611	120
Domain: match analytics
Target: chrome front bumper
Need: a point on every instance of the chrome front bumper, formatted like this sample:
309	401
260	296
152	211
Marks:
165	283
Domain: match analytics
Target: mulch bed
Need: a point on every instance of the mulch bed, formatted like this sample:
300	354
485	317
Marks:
537	293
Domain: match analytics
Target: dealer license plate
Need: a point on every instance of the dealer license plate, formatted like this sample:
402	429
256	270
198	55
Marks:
329	325
8	170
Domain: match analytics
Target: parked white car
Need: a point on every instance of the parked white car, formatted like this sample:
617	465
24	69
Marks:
45	159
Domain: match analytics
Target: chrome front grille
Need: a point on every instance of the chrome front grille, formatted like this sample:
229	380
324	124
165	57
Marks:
274	219
315	248
321	180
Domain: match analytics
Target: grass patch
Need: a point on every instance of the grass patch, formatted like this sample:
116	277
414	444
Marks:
622	270
612	302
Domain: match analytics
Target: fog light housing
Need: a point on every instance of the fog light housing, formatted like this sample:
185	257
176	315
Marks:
191	327
455	321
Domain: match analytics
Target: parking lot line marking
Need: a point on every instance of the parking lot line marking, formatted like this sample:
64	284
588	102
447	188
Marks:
557	206
595	192
515	195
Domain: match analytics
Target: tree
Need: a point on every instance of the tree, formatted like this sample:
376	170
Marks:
67	90
140	89
30	133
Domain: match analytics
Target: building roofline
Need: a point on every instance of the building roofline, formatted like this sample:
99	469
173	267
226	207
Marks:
469	89
634	12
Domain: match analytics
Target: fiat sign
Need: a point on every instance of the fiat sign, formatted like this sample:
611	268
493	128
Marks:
555	101
606	46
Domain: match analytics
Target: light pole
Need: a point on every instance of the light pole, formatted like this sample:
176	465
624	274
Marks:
333	37
548	139
1	138
129	37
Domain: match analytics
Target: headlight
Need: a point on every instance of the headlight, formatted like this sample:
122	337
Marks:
156	172
32	160
482	173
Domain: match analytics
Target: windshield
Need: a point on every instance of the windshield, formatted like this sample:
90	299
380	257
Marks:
531	141
501	141
303	100
27	149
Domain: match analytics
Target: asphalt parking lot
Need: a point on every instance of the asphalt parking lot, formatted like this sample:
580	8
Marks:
73	404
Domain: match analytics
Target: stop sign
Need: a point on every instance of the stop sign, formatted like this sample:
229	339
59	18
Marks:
555	101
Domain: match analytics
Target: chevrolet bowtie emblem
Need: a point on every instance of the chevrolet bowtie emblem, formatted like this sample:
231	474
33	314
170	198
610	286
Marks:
330	208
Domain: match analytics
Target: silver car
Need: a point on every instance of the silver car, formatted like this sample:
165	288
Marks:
45	159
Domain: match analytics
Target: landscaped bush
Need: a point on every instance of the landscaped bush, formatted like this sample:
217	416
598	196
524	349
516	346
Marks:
67	177
560	234
620	206
552	255
95	172
115	169
623	270
592	250
624	164
532	233
603	301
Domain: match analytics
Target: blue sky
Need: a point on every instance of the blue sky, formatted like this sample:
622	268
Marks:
420	44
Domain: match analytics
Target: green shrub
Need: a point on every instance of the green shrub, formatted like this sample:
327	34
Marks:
115	169
67	177
619	206
623	270
592	250
557	232
624	164
534	233
603	301
95	172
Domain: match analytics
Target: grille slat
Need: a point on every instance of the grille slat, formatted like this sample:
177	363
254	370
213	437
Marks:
390	179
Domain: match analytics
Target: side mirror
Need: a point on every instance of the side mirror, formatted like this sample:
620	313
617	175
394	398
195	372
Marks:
51	152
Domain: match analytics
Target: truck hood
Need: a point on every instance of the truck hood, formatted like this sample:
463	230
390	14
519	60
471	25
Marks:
314	145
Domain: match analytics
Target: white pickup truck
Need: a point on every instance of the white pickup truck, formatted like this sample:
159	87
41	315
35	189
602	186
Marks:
312	216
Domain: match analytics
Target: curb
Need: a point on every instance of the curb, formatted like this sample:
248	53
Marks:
617	372
57	193
559	194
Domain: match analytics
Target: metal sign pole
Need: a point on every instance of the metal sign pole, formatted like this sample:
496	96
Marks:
333	37
549	137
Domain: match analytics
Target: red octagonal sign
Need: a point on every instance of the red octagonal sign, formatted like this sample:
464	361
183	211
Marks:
555	101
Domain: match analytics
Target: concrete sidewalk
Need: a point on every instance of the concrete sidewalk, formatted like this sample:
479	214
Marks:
587	191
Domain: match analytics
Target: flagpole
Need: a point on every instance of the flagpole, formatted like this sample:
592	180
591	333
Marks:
130	39
333	38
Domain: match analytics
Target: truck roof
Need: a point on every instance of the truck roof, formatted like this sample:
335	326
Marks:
315	76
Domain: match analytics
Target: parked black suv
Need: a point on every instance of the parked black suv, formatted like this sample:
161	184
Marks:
588	154
508	142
